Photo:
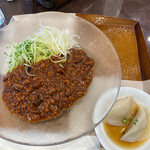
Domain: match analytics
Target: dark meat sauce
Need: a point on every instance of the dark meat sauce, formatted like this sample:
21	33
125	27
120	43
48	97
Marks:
53	89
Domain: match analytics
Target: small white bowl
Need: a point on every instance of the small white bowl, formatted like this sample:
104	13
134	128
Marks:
141	98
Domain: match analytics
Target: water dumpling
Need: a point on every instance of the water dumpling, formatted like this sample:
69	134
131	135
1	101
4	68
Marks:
123	108
139	128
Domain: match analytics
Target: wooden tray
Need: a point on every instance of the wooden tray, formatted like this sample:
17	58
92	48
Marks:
127	37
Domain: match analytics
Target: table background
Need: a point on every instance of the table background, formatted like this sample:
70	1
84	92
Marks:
132	9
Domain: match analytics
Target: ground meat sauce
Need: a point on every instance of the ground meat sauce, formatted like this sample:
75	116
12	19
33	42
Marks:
54	88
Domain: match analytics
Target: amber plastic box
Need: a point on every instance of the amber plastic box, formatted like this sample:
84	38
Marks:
127	37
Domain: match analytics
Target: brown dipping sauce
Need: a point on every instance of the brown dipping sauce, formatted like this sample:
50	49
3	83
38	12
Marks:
54	88
115	133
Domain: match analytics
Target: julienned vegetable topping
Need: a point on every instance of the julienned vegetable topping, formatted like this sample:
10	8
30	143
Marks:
41	45
46	75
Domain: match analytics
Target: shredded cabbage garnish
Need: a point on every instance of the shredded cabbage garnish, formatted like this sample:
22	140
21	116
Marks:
49	41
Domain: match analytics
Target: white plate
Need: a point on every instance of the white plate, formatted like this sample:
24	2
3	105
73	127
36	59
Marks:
141	98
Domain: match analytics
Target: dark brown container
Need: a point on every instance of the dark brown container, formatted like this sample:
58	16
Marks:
52	4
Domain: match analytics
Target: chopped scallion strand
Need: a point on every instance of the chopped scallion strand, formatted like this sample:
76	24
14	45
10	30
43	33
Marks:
124	120
135	122
61	65
49	41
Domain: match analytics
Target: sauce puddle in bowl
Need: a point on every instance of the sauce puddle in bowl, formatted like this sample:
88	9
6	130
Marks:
115	133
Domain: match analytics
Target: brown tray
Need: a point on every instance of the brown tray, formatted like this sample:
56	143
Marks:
127	37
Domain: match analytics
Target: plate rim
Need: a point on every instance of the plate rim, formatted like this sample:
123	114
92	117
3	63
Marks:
110	43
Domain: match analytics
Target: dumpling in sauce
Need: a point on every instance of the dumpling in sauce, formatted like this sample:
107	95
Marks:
123	108
139	128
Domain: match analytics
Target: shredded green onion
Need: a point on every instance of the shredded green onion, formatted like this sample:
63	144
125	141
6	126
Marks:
135	122
124	120
127	120
49	41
